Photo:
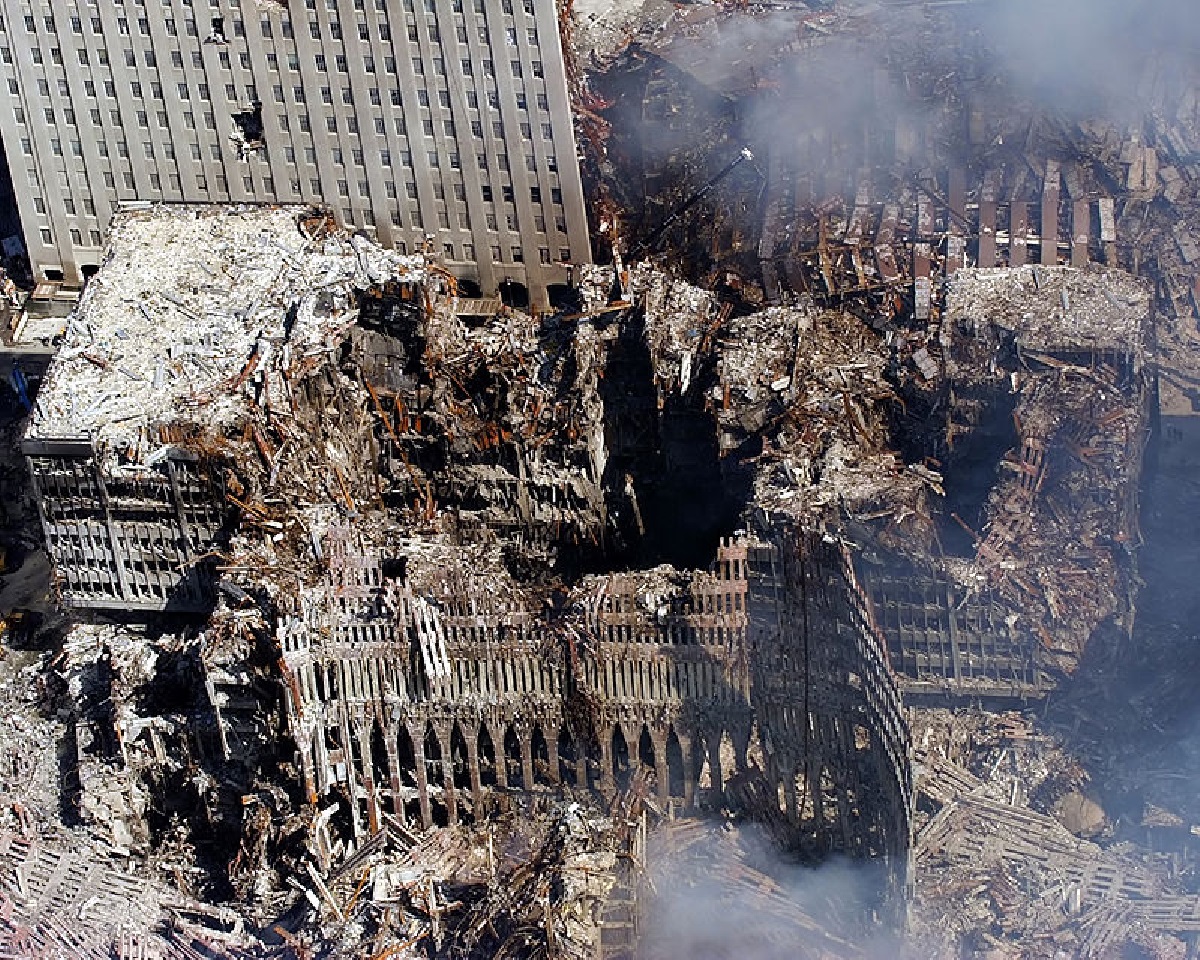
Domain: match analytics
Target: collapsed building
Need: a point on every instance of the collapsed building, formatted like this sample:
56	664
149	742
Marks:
985	241
420	563
399	559
1045	367
903	175
657	538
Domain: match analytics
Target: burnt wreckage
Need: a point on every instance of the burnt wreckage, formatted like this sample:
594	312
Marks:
350	556
445	560
984	243
454	560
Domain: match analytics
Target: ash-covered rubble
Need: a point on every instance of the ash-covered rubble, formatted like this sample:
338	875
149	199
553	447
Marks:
402	617
425	569
1013	858
899	177
1043	392
988	487
462	570
902	177
189	353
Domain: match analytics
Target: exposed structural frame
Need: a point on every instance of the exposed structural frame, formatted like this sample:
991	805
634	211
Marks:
409	490
137	542
761	682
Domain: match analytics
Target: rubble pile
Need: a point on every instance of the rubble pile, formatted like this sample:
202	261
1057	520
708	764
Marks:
973	451
1046	310
1065	350
517	886
169	743
436	593
412	607
410	624
74	888
983	241
103	665
29	778
258	300
61	898
1003	859
718	889
504	428
813	383
1035	376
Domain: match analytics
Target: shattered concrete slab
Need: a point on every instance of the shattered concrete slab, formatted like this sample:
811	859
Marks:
1053	309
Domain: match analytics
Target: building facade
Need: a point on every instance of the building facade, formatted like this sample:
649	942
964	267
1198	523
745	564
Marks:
759	682
440	121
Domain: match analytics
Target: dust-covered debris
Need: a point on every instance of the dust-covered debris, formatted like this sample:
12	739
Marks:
402	618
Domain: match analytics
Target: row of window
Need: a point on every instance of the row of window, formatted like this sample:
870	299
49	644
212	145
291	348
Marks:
89	208
315	185
438	66
97	26
76	237
449	128
384	156
459	189
383	29
452	252
430	6
251	93
341	62
203	93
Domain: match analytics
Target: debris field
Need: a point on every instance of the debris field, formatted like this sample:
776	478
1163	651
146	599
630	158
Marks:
393	623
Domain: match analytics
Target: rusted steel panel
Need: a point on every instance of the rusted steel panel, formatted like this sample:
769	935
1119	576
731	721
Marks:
1051	190
922	284
1080	231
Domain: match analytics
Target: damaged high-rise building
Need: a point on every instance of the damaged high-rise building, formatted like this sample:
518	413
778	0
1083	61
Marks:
444	124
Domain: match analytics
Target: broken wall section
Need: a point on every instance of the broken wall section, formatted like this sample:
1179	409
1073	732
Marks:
1049	556
491	429
179	393
835	743
994	522
168	760
526	692
452	693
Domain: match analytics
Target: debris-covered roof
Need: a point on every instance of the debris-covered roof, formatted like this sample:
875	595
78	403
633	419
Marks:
1053	308
197	307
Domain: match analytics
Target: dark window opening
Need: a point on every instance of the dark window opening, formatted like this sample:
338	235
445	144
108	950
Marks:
248	133
514	294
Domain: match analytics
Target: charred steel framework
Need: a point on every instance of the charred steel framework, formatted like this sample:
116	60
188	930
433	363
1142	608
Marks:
121	540
942	636
761	680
